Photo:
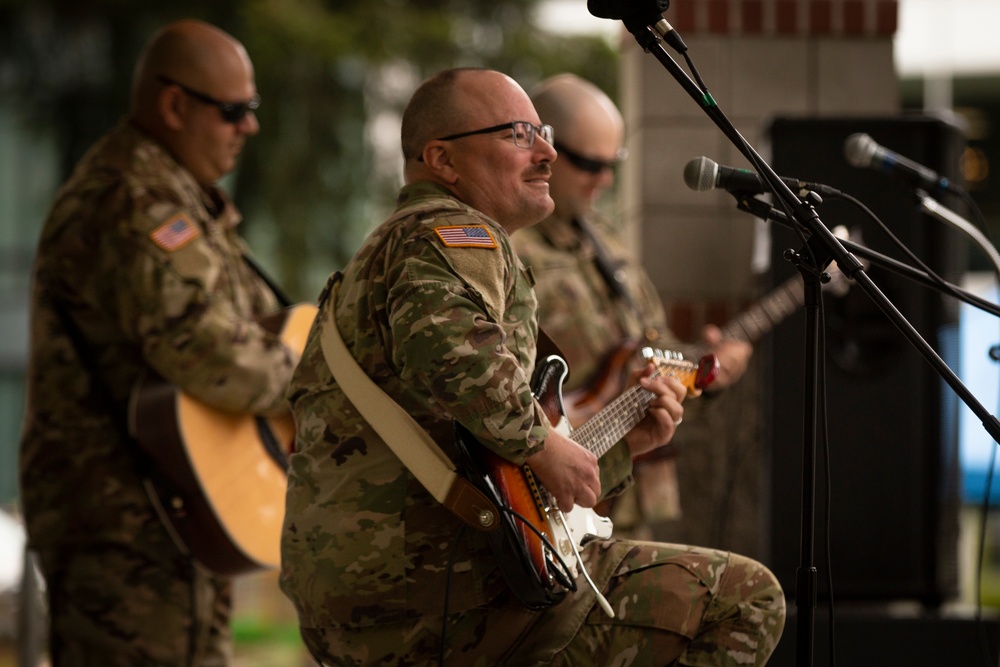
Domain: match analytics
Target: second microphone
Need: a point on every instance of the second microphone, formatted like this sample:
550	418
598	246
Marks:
702	174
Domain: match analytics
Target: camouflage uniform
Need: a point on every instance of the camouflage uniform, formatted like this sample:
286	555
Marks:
374	564
575	305
581	314
149	267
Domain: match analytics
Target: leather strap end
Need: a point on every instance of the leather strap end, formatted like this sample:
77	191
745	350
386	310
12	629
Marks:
472	506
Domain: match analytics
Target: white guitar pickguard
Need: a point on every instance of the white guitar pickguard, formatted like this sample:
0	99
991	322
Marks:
581	523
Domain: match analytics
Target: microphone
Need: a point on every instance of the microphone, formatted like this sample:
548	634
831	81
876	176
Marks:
862	151
637	15
702	174
625	9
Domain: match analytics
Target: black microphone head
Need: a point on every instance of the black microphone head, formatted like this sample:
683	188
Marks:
859	149
621	9
701	174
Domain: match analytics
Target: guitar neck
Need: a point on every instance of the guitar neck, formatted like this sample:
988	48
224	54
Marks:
599	433
760	318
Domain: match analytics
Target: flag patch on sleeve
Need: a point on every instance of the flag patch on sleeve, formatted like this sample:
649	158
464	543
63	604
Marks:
476	236
174	233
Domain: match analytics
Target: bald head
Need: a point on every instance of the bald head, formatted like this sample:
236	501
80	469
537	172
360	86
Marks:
451	101
500	170
436	108
576	109
588	130
195	53
189	78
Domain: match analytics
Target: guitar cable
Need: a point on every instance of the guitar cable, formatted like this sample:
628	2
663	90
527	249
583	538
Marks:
565	580
563	571
447	592
601	600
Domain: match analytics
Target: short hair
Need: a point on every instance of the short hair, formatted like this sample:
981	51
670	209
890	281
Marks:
432	111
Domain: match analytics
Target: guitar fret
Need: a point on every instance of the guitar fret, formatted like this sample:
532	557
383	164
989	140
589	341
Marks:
765	315
600	433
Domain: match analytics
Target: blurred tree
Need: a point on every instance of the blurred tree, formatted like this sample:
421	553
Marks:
334	76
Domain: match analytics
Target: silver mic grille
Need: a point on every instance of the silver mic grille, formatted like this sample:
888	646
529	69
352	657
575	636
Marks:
700	174
859	149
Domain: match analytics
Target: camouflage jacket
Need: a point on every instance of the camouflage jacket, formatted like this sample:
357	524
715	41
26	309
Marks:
576	308
149	267
438	311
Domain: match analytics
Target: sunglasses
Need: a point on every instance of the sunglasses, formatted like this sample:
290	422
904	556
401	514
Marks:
589	164
524	133
231	112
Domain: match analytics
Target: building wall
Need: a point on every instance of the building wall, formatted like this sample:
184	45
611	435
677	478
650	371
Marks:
759	59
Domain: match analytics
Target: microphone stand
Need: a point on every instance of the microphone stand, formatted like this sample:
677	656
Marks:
763	210
821	248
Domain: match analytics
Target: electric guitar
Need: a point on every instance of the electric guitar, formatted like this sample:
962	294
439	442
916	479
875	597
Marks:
750	326
221	480
753	323
538	546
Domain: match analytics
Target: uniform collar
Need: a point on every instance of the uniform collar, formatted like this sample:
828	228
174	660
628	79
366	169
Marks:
216	201
559	232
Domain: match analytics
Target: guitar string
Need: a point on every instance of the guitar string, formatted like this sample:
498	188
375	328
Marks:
601	432
609	426
785	299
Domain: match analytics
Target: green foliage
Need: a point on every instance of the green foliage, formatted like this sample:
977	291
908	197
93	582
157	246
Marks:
334	76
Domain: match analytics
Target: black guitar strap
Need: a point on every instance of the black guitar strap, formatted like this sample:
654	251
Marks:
267	437
259	270
612	271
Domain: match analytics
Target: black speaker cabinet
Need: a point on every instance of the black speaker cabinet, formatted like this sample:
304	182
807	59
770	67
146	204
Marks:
893	460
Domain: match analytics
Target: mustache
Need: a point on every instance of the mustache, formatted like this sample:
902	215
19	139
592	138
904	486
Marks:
540	170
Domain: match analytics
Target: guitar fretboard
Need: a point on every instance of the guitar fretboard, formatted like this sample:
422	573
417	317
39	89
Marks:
599	433
760	318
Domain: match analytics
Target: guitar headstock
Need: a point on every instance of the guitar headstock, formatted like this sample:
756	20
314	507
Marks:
694	377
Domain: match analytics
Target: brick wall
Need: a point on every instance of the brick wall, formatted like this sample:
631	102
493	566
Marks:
786	17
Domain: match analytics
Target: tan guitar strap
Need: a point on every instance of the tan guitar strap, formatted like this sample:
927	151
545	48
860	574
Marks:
412	444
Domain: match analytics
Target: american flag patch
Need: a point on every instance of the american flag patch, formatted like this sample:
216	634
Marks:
466	237
174	233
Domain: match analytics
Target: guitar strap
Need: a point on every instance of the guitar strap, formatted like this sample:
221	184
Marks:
273	286
412	444
612	271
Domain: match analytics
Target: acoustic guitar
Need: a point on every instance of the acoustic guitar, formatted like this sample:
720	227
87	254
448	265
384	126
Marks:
538	548
221	476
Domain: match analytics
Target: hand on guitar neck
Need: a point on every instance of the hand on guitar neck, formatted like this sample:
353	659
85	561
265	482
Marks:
665	412
546	518
570	472
733	355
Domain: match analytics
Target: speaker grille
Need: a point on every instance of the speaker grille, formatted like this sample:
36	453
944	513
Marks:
893	434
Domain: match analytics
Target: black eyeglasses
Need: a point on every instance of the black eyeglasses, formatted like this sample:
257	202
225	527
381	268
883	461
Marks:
524	133
589	164
231	112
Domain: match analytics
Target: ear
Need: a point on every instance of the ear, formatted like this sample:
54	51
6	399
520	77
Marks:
438	158
172	107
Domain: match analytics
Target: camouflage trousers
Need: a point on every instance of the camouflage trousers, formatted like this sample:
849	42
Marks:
136	605
673	604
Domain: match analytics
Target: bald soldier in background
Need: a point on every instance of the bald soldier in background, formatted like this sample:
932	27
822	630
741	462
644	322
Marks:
594	298
140	268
